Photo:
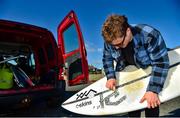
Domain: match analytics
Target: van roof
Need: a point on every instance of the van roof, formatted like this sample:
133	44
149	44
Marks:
22	26
24	33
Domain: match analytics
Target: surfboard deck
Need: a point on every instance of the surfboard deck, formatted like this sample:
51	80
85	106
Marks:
96	99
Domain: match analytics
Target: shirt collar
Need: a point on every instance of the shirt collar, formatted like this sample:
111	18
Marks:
136	36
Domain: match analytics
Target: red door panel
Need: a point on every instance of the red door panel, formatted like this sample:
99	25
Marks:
72	47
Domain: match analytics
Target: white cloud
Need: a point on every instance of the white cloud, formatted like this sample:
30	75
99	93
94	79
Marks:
97	62
91	48
99	49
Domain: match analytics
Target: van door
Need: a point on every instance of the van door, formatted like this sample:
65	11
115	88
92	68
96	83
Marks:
72	47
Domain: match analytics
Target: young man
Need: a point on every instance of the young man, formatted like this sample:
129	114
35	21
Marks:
140	45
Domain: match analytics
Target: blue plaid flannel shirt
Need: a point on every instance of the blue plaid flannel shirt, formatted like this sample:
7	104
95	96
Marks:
149	49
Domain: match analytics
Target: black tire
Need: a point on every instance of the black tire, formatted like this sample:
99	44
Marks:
58	97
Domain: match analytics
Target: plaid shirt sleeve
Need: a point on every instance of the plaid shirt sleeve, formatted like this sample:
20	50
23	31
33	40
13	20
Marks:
108	62
159	60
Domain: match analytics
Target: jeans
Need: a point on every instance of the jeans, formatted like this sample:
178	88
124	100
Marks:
153	112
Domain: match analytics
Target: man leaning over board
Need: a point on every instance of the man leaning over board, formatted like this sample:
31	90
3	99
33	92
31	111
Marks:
140	45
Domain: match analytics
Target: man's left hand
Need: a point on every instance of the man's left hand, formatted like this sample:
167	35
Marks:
152	99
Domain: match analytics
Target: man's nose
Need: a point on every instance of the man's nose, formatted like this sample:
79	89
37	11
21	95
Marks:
117	47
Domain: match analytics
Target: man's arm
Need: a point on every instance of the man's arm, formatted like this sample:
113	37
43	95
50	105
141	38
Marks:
108	62
160	62
109	68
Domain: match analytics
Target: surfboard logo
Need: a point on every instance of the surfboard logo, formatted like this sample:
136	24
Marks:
107	99
91	93
83	104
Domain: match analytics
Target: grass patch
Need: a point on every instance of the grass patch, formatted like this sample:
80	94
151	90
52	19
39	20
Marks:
95	77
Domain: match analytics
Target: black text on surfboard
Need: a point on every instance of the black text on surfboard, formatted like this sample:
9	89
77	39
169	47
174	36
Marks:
83	104
107	100
89	94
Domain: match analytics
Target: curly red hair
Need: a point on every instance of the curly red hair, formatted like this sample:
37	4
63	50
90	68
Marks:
114	26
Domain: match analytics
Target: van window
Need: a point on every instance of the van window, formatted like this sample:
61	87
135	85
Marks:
70	39
32	61
50	52
41	56
75	69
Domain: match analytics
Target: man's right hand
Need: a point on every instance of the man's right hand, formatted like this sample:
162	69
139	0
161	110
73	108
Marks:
111	84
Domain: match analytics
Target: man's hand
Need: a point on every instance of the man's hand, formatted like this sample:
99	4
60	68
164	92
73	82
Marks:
151	98
111	84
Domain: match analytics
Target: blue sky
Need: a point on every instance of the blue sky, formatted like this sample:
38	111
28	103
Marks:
164	15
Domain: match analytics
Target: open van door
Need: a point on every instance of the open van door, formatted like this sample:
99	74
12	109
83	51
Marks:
72	47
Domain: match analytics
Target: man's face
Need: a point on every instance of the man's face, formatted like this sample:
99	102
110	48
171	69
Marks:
122	42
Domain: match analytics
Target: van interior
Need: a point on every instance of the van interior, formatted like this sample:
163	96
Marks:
23	59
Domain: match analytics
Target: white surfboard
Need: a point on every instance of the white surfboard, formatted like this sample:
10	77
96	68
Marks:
96	99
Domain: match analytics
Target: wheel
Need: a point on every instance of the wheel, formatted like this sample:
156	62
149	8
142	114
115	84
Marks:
24	103
58	96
